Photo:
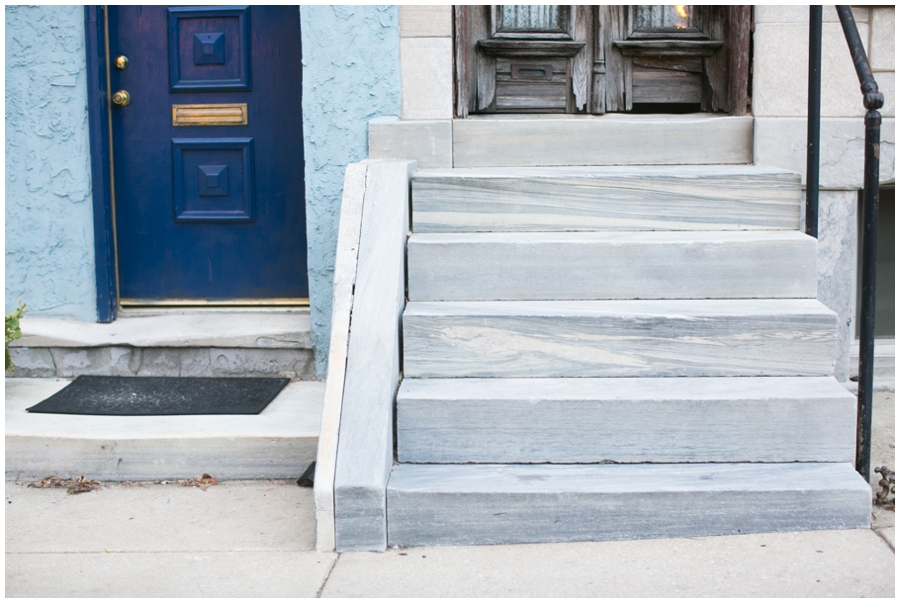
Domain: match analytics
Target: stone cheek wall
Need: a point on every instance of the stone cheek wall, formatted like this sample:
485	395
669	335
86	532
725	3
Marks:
779	103
49	228
351	74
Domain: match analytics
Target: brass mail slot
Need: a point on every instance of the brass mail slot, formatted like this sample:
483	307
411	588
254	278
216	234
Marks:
210	115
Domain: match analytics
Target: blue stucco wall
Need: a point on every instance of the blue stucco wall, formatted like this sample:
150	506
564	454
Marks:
49	228
351	73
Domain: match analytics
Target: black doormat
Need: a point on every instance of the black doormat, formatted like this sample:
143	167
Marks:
144	396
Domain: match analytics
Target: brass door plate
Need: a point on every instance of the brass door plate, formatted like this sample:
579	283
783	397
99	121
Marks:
210	115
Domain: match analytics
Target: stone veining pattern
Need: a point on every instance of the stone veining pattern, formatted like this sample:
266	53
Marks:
618	339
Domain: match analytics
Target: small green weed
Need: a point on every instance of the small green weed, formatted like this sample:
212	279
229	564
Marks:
13	332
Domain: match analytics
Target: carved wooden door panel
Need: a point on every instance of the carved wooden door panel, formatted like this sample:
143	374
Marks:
594	59
523	58
681	58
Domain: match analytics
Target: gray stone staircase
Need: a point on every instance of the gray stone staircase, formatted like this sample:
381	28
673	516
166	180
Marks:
595	353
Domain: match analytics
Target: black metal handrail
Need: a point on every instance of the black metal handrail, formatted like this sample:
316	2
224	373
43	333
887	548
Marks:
872	100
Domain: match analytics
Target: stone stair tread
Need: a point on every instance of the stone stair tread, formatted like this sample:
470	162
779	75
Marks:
489	504
652	237
663	308
689	197
657	420
278	442
619	338
611	265
603	171
622	388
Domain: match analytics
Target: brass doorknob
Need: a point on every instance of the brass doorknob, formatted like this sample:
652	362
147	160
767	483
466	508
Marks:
121	62
121	98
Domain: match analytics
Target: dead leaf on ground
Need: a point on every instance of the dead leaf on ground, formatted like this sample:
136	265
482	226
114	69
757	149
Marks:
203	482
76	485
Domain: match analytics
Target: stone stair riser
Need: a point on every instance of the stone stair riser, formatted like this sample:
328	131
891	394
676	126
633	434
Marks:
491	504
613	140
573	266
625	431
618	198
618	339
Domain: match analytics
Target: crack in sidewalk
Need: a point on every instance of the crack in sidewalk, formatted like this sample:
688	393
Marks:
328	575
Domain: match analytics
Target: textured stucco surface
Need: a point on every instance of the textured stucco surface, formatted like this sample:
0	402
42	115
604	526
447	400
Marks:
49	230
351	74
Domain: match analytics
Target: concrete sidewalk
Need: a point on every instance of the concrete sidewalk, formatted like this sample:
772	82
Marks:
256	539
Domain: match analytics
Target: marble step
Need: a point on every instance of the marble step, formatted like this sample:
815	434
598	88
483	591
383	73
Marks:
613	139
610	265
504	504
685	197
626	420
635	338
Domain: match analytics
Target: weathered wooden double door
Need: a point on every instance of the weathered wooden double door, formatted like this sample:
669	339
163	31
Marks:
598	59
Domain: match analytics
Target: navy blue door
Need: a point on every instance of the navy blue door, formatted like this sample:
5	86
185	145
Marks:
208	153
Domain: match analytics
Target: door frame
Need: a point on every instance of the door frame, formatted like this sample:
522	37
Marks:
96	38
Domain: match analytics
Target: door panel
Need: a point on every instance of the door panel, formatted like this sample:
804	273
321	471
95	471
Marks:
208	154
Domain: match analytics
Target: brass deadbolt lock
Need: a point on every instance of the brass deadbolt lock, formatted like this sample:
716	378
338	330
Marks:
121	62
121	98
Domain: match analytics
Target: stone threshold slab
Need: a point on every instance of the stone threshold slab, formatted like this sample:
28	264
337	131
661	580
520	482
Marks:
607	140
280	442
264	329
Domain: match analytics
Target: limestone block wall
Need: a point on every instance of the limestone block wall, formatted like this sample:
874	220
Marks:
779	102
779	94
49	217
426	59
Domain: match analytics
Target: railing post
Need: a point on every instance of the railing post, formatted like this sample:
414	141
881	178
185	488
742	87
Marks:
813	120
873	100
867	318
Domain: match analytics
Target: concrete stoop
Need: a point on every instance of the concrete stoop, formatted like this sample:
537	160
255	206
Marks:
280	442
